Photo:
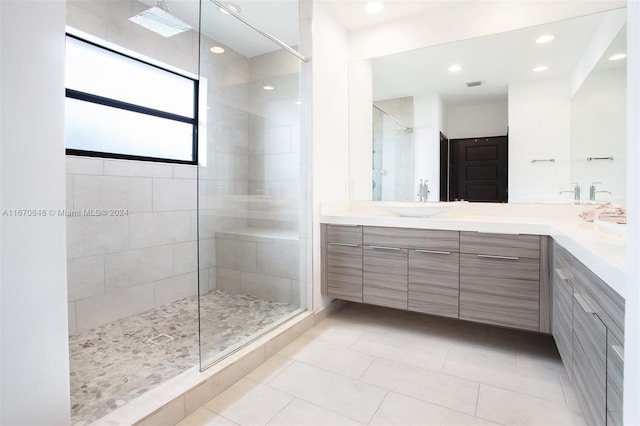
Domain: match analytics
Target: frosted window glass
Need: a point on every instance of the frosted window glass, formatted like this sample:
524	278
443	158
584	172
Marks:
93	127
94	70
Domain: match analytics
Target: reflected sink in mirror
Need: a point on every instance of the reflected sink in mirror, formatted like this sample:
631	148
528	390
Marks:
409	209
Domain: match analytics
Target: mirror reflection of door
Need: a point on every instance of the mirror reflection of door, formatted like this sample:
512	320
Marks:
478	169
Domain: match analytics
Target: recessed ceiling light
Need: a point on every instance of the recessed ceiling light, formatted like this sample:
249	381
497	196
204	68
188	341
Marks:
545	39
374	7
268	87
297	102
617	56
234	7
455	68
541	68
217	49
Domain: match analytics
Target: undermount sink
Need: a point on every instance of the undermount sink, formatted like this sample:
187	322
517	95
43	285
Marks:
408	209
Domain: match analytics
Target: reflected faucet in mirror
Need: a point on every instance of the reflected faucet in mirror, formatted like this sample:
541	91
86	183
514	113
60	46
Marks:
593	192
423	191
575	191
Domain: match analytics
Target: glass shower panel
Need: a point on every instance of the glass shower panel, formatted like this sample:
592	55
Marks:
249	186
392	159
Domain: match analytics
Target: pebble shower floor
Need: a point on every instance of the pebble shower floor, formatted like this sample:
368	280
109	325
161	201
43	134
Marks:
116	362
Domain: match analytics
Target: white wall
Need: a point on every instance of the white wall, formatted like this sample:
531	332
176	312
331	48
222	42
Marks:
463	21
35	360
428	112
360	129
539	128
598	129
330	123
468	121
632	290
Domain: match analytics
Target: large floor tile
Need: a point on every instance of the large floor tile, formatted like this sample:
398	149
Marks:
205	417
426	385
337	331
345	396
419	356
302	413
399	409
248	402
327	356
512	408
269	369
542	384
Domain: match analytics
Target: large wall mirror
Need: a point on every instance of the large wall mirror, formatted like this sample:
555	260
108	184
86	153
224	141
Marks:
512	117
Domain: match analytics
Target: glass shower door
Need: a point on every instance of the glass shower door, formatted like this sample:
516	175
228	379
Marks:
250	183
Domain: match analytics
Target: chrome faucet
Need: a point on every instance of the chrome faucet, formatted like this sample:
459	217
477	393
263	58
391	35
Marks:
593	192
575	191
423	191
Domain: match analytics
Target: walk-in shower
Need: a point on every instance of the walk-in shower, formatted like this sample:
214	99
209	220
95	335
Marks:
210	255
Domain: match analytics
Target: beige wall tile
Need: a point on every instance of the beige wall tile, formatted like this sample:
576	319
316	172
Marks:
174	194
136	267
85	277
91	235
155	229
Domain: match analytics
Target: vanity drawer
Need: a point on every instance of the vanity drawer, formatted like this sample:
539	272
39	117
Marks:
344	234
410	238
500	291
500	244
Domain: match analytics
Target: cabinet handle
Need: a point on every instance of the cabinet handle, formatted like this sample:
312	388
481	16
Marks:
490	256
561	274
343	244
383	248
619	350
583	303
432	251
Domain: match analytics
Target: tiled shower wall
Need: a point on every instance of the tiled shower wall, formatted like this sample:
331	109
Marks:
124	264
119	266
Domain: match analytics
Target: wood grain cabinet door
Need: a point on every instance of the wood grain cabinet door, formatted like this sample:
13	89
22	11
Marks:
384	279
342	258
434	282
500	290
344	271
615	374
589	361
562	312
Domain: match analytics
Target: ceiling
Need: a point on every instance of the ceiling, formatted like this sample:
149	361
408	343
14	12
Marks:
351	15
277	17
495	60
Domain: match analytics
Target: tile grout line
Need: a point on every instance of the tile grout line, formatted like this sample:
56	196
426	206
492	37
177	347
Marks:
378	407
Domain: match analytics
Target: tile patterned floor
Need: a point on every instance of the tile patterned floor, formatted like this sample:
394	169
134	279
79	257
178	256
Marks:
377	366
114	363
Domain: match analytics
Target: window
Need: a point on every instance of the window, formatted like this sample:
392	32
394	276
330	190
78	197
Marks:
121	107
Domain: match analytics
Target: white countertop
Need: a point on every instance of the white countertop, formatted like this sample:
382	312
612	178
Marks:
599	248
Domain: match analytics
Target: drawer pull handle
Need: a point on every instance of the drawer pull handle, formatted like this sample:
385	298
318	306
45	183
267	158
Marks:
619	350
383	248
561	274
490	256
343	244
432	251
583	303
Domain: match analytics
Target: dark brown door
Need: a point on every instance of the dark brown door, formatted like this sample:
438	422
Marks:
479	170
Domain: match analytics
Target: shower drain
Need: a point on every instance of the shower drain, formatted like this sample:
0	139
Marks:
160	338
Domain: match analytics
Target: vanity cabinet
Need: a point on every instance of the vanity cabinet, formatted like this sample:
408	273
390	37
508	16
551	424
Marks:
342	253
434	273
590	361
588	328
615	374
414	269
500	279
